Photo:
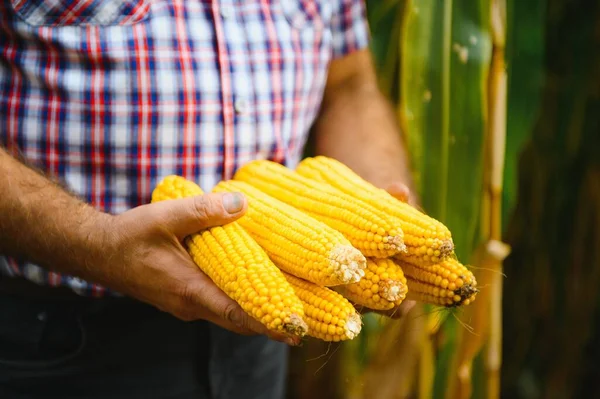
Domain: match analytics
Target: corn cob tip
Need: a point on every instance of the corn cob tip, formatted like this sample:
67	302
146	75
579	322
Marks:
468	291
447	283
383	287
463	295
392	290
353	326
446	248
296	326
466	294
329	315
348	263
397	244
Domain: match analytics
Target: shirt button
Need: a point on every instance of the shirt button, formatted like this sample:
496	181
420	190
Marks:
241	106
226	12
77	281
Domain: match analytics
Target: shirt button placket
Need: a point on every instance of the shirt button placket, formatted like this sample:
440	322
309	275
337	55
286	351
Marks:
223	14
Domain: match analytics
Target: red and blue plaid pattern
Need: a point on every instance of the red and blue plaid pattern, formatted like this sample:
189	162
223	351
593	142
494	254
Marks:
112	95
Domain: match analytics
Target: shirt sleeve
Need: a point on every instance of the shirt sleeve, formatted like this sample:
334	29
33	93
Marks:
349	27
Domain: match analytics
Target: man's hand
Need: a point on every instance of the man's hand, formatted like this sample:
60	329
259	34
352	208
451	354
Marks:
138	253
145	259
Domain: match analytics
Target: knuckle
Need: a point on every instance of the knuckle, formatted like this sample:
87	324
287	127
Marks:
201	207
190	305
187	297
230	313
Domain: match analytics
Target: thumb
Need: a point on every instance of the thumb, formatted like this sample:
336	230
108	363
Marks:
190	215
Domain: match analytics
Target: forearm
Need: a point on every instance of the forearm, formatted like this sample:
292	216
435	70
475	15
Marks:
358	127
41	222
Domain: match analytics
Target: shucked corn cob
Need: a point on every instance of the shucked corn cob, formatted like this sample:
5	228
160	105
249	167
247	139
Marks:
447	283
427	240
329	315
383	287
368	228
296	242
239	266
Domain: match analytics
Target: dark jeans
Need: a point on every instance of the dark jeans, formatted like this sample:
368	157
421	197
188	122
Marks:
119	348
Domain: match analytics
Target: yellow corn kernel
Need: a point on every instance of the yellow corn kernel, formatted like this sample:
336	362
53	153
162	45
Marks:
368	228
447	283
239	266
382	288
296	242
330	316
427	240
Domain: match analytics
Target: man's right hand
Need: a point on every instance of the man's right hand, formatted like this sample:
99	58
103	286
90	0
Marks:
145	259
138	253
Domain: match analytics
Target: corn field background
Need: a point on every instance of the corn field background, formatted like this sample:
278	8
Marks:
499	105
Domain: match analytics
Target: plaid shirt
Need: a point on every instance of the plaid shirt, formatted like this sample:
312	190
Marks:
112	95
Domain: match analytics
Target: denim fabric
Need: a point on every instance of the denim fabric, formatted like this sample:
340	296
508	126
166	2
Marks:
118	348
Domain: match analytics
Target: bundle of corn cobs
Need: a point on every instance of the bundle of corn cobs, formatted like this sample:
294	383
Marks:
319	241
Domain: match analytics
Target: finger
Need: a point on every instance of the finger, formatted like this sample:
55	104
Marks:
400	191
189	215
227	311
189	305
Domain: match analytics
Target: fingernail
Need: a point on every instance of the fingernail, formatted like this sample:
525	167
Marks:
233	202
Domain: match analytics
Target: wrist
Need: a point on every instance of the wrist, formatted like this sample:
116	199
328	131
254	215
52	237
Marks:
93	245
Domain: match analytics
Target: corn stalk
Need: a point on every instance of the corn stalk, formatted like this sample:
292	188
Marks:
486	316
451	94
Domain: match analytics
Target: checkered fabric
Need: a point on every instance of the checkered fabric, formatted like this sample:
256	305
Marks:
112	95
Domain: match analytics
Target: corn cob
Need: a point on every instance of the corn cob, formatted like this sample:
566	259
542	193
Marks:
383	287
367	228
330	316
427	240
296	242
448	283
239	266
